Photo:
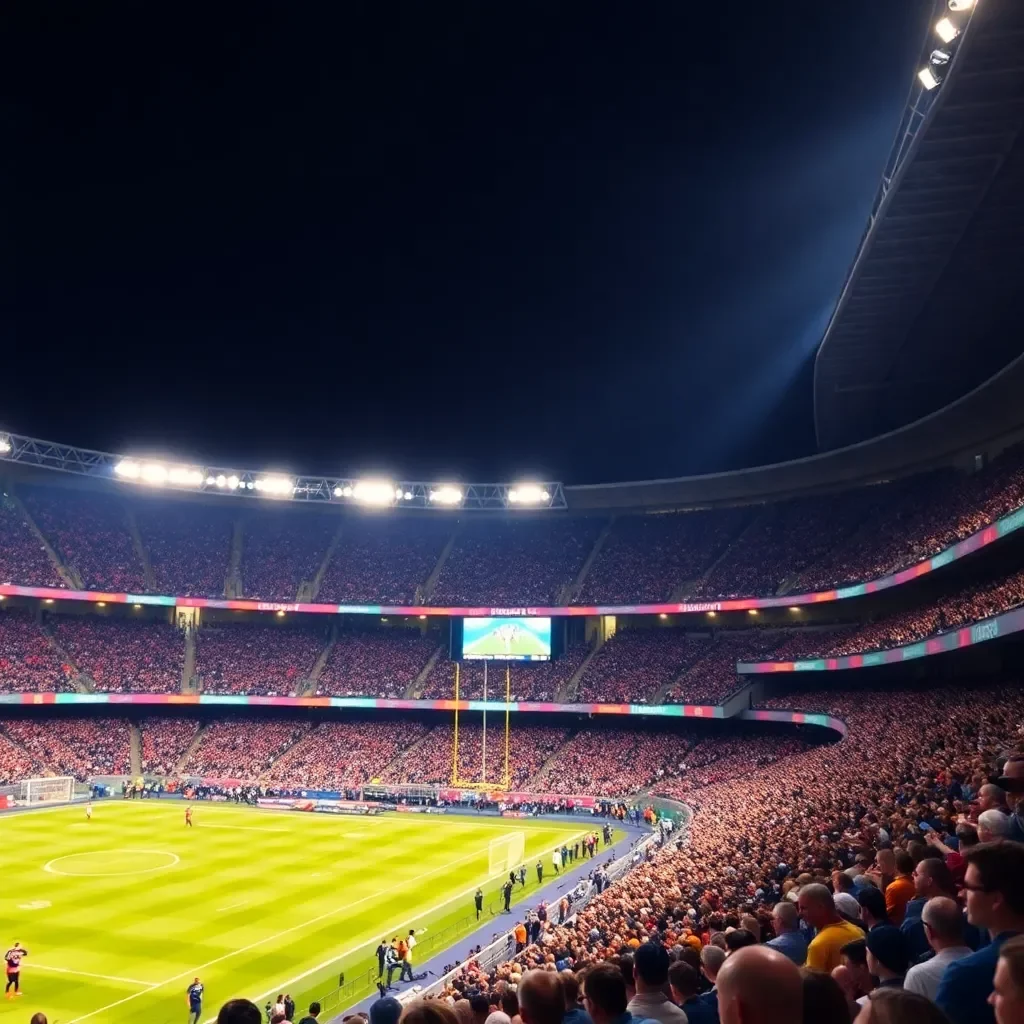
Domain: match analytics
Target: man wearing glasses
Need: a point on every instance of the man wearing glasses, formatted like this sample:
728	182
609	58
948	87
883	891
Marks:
994	884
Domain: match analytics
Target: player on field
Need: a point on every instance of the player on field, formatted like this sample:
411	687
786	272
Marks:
508	633
88	811
195	1001
14	957
188	815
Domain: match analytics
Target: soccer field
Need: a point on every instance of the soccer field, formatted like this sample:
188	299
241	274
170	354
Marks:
120	913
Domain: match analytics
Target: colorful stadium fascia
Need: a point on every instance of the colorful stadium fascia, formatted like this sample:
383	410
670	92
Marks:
796	718
1001	528
370	703
968	636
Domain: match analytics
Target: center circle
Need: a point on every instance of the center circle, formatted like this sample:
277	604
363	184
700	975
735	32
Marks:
111	863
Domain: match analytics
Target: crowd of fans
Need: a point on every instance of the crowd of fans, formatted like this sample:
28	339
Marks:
90	534
514	561
189	546
384	560
22	558
164	742
29	663
282	550
822	858
75	746
375	663
635	664
16	764
647	558
344	755
242	748
123	655
528	680
267	660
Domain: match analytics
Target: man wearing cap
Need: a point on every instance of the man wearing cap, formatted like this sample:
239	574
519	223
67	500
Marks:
887	955
650	972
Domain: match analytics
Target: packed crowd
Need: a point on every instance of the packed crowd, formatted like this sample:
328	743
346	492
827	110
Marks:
189	546
823	858
22	558
375	663
90	534
343	755
384	560
16	763
267	660
75	746
713	677
635	665
164	742
28	661
648	558
514	561
242	748
531	681
282	550
430	761
123	655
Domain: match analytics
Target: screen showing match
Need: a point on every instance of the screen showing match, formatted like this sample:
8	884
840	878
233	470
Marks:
506	639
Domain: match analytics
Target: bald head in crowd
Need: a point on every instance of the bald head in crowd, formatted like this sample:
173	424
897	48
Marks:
758	985
541	998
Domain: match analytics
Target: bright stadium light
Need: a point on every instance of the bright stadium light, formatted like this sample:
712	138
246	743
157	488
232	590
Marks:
928	79
279	485
960	5
375	492
128	469
184	476
446	494
946	30
233	482
5	444
221	480
528	494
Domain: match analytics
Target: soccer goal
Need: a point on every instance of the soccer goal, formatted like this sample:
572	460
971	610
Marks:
46	791
507	853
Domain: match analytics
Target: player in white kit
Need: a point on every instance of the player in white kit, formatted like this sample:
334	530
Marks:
88	811
508	633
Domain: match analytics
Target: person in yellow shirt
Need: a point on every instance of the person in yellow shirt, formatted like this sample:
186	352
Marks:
818	909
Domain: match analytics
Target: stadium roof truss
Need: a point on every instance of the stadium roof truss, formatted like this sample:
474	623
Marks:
928	310
160	475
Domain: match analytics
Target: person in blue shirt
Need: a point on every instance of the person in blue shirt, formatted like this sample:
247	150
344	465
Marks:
994	883
789	940
604	996
684	982
195	1002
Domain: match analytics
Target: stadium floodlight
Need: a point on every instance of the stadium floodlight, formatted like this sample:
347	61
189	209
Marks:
939	58
5	444
446	494
960	5
128	469
273	485
220	480
528	494
233	482
946	30
375	492
928	79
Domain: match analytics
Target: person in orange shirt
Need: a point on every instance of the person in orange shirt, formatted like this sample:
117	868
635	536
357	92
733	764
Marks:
900	891
520	934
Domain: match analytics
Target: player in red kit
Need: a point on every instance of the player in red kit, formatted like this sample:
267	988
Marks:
188	816
14	957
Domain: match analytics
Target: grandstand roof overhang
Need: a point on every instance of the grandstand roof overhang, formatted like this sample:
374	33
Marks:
931	306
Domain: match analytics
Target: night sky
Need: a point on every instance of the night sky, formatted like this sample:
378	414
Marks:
586	241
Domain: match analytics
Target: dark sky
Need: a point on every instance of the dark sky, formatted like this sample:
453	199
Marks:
591	241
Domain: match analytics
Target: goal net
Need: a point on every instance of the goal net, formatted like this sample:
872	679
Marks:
46	791
507	853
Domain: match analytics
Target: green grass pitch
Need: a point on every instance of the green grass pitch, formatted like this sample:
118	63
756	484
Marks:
120	913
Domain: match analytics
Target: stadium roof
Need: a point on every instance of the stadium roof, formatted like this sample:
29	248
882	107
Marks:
931	307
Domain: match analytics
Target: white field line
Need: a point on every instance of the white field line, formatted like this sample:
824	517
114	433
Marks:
86	974
231	906
195	971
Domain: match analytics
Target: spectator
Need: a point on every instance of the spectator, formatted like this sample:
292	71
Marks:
684	981
428	1011
239	1011
1007	998
995	901
993	825
573	1012
789	940
897	1006
604	995
650	974
757	985
313	1015
824	1000
943	923
818	909
541	998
